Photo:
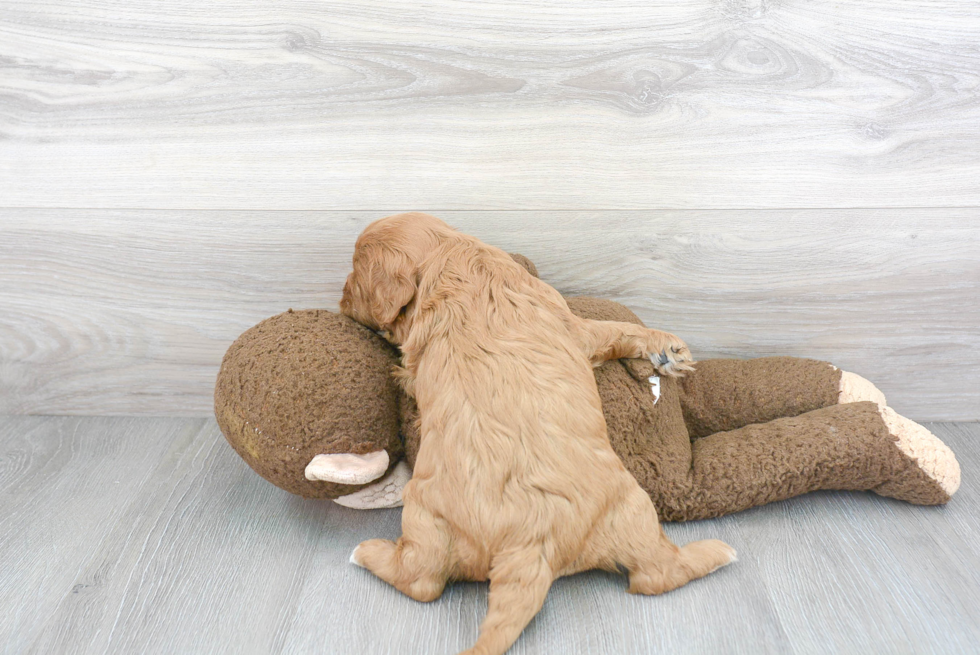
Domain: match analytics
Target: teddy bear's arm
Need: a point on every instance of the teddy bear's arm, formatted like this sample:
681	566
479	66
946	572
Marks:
726	394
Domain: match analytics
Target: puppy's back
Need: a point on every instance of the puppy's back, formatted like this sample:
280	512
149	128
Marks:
509	405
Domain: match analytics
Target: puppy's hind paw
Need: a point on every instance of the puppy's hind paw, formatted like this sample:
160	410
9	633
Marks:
354	559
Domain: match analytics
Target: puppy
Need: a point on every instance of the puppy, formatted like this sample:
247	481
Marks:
515	480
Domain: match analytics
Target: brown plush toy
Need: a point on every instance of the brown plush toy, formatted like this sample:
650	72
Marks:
308	400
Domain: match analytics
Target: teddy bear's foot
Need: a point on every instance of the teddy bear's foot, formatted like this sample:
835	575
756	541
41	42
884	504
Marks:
929	454
386	492
854	389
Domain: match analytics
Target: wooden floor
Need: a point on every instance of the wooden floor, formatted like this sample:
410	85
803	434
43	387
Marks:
131	535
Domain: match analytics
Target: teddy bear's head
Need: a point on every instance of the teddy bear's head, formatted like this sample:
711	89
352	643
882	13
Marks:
308	400
307	385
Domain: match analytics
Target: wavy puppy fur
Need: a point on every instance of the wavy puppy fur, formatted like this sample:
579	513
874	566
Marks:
515	480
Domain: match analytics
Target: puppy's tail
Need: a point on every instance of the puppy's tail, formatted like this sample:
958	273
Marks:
519	582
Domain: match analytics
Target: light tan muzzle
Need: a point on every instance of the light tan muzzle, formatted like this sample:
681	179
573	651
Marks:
345	468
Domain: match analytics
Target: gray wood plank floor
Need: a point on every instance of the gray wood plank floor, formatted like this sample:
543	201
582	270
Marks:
129	535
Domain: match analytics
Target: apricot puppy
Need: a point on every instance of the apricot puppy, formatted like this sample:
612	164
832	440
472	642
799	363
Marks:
515	480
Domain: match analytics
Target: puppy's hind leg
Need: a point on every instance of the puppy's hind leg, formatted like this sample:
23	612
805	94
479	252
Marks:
656	565
419	563
519	582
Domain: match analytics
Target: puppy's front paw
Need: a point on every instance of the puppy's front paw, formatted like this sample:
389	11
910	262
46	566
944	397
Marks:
674	358
405	379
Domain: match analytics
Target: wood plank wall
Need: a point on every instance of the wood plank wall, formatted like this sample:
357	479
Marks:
761	177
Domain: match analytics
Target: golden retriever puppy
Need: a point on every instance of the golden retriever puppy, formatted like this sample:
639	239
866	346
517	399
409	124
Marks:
515	479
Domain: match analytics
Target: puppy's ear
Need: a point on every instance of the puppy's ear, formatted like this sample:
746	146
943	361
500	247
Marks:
391	284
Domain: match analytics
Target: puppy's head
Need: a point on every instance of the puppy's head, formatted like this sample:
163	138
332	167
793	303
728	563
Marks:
387	261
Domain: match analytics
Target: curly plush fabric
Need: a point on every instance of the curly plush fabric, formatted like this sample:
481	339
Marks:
306	383
731	435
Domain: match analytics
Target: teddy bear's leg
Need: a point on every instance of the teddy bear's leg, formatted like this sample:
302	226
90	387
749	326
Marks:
418	565
930	454
855	446
605	340
727	394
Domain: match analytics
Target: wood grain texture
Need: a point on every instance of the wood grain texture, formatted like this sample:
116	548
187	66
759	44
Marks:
523	104
69	490
123	535
129	312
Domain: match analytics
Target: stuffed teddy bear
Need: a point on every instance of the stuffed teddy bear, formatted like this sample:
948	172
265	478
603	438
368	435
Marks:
308	400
